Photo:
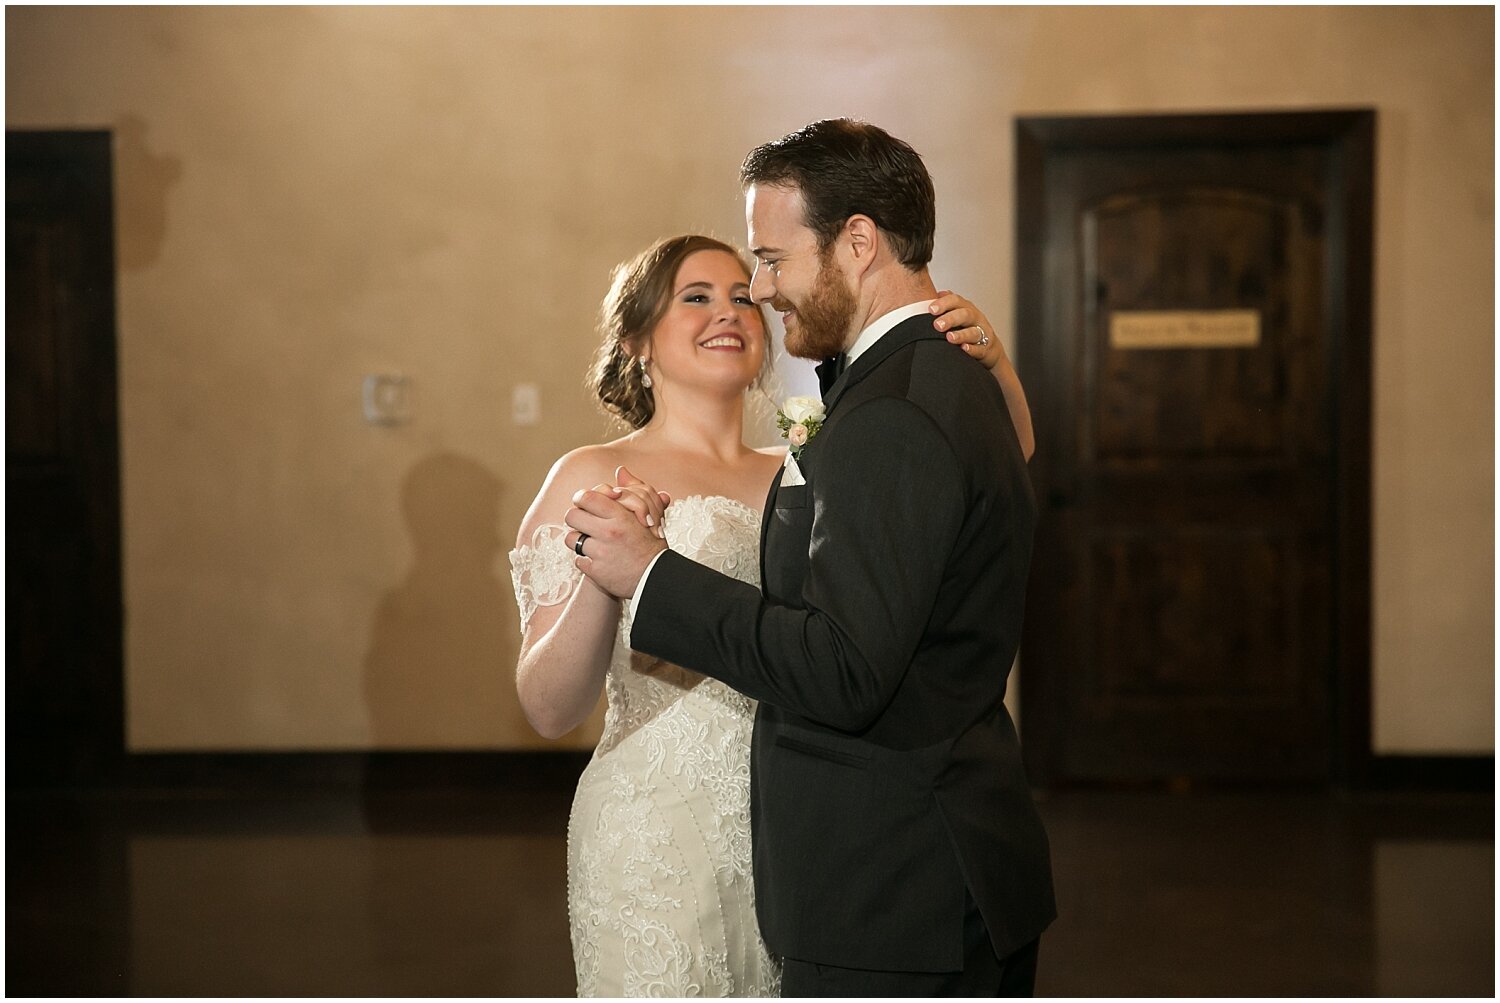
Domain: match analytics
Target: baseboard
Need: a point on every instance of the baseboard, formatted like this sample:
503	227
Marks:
1431	773
196	773
247	772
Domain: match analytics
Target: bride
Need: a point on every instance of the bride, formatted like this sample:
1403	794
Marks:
660	897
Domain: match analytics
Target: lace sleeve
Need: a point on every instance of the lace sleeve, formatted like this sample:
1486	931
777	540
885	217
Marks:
542	571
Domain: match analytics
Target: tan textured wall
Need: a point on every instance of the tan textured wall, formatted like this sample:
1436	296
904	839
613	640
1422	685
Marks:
309	195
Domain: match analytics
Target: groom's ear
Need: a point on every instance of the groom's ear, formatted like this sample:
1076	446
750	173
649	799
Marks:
864	241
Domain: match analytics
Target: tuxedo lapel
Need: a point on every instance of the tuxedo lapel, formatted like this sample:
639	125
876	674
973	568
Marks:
917	328
783	560
766	520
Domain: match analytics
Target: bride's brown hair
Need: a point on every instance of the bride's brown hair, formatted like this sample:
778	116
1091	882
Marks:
638	297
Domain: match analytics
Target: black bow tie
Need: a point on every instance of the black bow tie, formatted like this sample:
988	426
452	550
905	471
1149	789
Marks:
828	371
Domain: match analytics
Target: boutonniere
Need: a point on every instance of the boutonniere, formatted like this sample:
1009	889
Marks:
799	419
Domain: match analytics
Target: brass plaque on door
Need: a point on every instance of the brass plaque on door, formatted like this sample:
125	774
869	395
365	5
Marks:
1184	329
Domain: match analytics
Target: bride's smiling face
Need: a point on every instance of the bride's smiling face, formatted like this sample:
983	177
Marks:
712	334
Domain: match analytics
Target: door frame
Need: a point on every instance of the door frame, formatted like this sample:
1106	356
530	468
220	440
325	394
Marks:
1349	135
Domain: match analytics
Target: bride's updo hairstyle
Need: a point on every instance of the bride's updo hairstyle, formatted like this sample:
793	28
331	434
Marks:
638	298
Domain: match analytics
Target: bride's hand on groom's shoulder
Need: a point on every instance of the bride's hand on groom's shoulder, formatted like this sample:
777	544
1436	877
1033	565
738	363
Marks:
967	327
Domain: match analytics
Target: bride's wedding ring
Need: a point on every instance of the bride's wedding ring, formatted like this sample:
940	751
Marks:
578	544
984	339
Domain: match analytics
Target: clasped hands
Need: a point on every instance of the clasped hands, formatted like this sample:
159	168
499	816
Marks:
617	531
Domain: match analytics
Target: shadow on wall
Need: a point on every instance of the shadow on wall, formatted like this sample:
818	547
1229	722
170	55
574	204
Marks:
439	672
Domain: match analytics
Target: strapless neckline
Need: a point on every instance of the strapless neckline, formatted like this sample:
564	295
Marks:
702	499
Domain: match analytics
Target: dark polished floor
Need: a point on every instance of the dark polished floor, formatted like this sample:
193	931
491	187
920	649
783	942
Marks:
460	893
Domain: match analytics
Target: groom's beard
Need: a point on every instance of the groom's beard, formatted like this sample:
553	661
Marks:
820	326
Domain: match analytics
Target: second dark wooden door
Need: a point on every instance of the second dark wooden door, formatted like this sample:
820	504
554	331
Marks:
64	715
1180	347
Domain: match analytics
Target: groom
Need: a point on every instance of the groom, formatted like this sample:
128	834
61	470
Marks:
897	850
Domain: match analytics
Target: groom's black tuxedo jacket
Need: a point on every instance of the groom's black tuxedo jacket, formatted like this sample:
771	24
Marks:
886	772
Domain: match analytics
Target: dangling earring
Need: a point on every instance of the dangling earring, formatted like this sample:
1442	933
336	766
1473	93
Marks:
645	376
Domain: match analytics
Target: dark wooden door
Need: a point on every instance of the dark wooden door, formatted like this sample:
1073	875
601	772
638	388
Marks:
1193	330
63	685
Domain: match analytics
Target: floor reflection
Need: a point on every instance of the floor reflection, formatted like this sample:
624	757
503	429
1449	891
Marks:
346	914
461	893
1421	887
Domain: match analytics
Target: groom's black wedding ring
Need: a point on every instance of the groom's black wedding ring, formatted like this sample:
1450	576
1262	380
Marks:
578	544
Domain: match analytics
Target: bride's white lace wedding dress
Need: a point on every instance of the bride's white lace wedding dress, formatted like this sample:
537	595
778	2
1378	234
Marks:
660	897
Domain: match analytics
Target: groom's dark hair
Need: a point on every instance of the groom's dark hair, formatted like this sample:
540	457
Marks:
844	167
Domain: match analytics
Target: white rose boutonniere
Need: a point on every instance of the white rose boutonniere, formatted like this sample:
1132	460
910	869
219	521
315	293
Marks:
799	419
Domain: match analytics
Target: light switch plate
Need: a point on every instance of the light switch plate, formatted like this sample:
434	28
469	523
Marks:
526	404
387	399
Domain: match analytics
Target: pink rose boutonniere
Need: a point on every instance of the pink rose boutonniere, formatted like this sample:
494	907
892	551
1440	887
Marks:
799	419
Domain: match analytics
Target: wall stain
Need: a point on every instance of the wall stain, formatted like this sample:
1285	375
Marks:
142	182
